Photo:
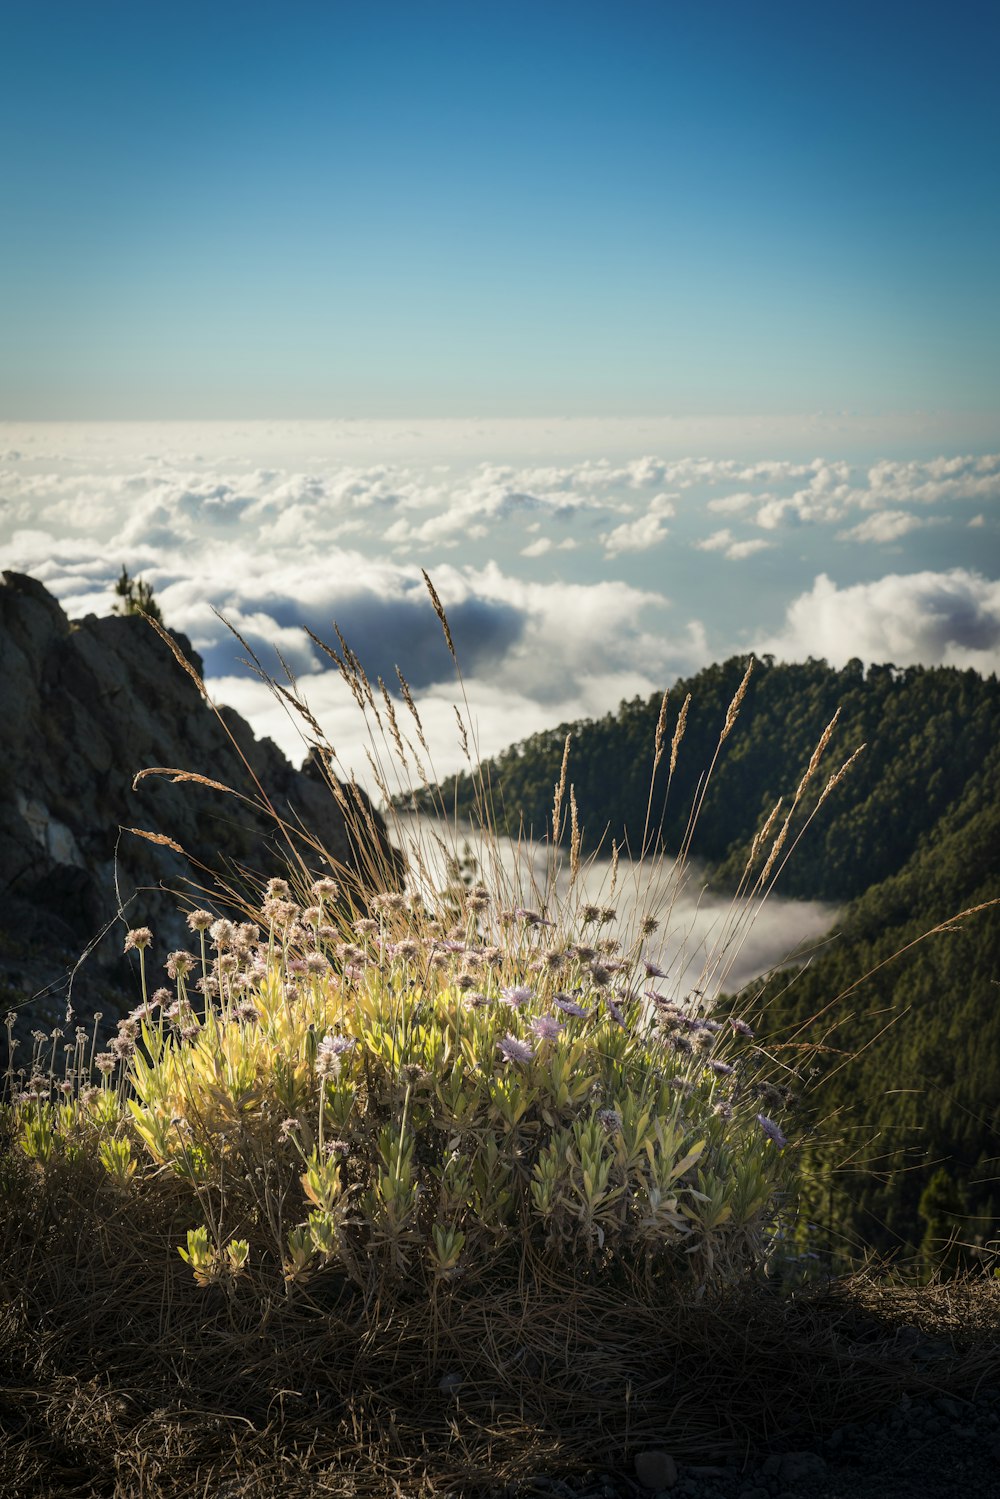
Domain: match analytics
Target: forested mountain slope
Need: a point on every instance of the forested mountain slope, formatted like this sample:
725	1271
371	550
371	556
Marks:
921	1090
911	1069
927	730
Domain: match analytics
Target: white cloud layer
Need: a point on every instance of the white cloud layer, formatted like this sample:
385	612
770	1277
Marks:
571	581
928	618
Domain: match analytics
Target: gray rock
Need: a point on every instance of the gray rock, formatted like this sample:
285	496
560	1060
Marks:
801	1467
84	706
655	1470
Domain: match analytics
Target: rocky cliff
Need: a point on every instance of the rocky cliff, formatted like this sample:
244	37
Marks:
84	706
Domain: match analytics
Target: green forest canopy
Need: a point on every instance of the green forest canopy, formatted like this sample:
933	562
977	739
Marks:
927	730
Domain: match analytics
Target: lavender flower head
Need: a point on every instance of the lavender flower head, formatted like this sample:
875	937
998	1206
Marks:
569	1006
180	964
547	1028
515	1050
329	1053
516	995
772	1131
614	1011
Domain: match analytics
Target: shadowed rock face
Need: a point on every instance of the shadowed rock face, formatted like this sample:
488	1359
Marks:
84	706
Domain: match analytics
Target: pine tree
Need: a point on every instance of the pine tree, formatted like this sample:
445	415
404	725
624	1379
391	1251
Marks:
136	597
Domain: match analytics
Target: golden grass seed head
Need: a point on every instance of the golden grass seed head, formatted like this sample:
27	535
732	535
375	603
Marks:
679	729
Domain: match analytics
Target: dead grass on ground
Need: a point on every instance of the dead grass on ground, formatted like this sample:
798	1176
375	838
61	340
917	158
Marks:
120	1377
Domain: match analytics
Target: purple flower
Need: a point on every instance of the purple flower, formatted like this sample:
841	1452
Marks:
570	1006
515	1050
614	1011
329	1053
740	1026
652	971
722	1069
772	1131
547	1028
516	995
532	917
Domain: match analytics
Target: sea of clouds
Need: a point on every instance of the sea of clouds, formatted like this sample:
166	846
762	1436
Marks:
575	572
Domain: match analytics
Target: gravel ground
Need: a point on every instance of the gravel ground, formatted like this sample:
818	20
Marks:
937	1448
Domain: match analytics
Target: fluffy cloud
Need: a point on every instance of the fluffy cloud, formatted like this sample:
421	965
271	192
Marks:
735	504
645	532
741	549
935	480
883	526
734	551
950	618
575	651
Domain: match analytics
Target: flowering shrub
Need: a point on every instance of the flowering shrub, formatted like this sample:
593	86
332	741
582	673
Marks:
437	1083
390	1096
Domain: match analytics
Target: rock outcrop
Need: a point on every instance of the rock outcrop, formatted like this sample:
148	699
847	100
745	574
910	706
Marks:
84	706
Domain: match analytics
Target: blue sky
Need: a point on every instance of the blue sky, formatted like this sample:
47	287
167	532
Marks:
656	333
453	210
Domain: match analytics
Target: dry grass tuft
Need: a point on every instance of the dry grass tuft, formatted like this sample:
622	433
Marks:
107	1389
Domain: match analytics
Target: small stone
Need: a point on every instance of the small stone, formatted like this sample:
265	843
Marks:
801	1467
655	1470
